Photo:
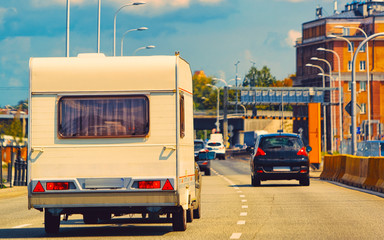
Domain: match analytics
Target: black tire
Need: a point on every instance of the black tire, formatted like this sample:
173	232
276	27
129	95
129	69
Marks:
197	211
90	218
304	182
190	215
105	217
207	172
179	219
51	223
255	181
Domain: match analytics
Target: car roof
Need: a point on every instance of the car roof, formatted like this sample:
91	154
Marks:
199	140
280	134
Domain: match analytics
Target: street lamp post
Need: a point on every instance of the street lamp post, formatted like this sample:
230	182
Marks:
324	112
114	22
237	92
67	38
141	48
340	99
217	107
330	81
353	91
368	82
131	30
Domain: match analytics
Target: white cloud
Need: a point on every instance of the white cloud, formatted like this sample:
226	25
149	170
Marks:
151	6
293	35
14	82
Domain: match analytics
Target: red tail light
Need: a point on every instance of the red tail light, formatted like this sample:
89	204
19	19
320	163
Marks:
149	184
302	152
57	185
205	163
259	171
260	152
303	171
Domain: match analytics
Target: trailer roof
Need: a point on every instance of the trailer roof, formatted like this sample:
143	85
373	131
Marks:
96	72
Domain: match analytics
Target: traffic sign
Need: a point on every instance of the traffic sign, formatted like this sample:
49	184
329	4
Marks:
348	108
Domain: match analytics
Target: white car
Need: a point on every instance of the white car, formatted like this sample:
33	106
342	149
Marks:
218	148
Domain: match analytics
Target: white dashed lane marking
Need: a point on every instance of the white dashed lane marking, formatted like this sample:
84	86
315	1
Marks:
241	222
243	214
235	236
22	226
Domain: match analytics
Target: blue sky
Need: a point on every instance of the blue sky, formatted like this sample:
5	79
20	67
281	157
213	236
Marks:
212	35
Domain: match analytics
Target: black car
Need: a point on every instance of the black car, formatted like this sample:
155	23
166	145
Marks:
204	161
280	156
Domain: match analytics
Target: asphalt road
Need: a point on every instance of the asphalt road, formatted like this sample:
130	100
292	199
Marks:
231	209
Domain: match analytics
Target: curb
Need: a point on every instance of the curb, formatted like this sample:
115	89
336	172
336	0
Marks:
6	193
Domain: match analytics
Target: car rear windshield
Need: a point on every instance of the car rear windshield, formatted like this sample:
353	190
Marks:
214	144
103	116
199	145
277	143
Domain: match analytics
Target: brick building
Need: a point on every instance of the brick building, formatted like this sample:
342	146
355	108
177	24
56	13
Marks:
369	17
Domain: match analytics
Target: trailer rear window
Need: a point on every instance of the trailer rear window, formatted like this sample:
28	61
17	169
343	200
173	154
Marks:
104	116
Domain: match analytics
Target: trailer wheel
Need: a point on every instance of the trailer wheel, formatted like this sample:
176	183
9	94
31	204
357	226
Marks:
197	211
51	222
190	215
90	218
179	219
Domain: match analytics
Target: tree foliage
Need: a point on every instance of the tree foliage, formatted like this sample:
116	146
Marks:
259	78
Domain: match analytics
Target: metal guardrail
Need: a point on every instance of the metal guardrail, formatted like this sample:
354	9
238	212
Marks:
17	167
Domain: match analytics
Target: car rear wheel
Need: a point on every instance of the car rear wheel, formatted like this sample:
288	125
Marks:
255	181
304	182
207	172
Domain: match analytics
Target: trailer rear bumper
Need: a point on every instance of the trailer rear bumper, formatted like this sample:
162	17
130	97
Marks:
103	199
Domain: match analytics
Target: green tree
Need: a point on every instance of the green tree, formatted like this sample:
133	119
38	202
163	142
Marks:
203	95
259	78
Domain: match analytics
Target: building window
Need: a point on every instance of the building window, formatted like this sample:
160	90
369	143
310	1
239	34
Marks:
349	86
363	108
362	65
346	31
182	116
362	49
349	66
349	47
363	86
103	116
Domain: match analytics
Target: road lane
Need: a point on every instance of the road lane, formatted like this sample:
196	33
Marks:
231	209
286	210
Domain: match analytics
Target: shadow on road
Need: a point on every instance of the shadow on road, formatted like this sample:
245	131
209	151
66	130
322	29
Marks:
267	185
88	231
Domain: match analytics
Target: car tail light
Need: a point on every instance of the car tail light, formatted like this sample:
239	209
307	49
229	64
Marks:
149	184
303	171
205	163
39	188
259	171
302	152
167	185
57	185
260	152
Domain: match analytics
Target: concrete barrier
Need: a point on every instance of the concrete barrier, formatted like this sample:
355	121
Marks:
356	171
380	181
373	173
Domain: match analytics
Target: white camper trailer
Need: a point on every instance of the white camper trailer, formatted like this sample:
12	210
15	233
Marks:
112	136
